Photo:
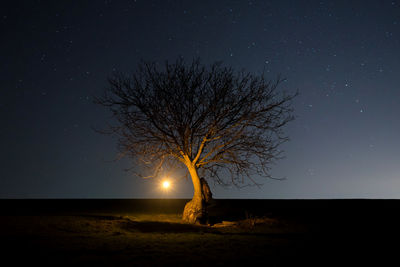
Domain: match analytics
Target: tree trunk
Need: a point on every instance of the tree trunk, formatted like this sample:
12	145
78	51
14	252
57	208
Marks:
195	210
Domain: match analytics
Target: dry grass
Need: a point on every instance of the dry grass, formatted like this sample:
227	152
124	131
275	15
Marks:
141	238
151	233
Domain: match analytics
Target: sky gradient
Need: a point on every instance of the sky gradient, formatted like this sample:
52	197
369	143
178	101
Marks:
342	56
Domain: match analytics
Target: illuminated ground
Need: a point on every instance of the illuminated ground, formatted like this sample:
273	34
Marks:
129	232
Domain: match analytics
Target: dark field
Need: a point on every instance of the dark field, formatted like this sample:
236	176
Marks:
150	232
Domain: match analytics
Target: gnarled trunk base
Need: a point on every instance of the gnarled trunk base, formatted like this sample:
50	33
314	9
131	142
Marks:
195	211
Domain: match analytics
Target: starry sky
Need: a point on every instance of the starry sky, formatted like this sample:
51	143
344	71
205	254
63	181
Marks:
342	56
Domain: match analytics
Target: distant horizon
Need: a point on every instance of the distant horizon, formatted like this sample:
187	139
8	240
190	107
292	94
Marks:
352	198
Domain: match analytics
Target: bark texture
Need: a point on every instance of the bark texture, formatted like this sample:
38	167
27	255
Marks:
195	211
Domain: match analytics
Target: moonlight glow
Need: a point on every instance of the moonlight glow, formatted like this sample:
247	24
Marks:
166	184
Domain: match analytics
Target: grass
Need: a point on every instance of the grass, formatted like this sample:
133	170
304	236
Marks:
151	233
142	238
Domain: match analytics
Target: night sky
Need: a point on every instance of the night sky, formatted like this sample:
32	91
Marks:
342	56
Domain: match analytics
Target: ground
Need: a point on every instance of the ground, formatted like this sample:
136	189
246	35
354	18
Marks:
151	232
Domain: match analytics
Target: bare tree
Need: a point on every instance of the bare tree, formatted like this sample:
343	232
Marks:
218	123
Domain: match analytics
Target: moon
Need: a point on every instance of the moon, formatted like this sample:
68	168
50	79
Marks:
166	184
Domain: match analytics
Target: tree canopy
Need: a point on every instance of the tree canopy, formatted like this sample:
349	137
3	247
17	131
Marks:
228	124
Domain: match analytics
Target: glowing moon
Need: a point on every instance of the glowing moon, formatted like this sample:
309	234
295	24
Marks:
166	184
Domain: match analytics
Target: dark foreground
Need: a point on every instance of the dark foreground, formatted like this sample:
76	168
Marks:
241	232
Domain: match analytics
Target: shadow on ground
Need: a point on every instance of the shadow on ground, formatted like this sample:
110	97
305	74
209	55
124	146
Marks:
277	233
160	227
